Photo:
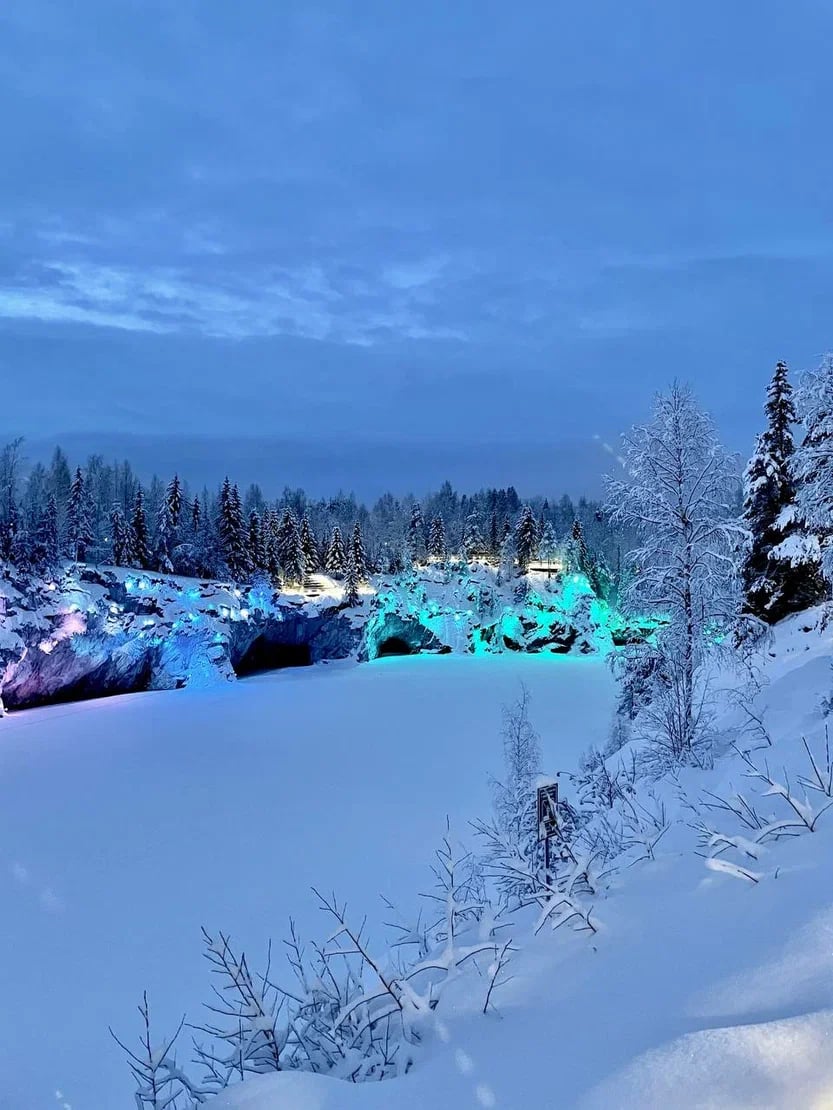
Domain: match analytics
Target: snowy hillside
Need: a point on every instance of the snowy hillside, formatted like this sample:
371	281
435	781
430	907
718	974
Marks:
709	980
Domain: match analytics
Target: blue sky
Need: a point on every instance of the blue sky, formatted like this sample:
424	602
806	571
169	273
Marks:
465	224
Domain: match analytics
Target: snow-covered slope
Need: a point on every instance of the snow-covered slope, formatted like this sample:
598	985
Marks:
709	982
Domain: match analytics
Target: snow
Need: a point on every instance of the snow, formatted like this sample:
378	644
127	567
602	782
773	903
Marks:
127	823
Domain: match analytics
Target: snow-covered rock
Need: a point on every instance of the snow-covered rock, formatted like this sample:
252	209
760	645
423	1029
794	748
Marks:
96	631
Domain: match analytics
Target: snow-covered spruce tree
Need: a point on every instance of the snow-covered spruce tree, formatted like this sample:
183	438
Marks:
312	560
813	471
473	542
548	544
271	540
79	534
436	538
336	558
139	541
359	554
679	496
351	580
174	500
291	549
196	519
781	572
256	543
231	530
46	547
119	537
526	537
163	540
415	538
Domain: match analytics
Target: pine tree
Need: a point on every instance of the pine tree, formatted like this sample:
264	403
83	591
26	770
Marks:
778	577
351	580
196	519
436	538
173	499
78	529
358	552
813	471
257	545
548	544
47	548
415	538
494	536
472	537
232	531
164	532
119	537
312	561
336	558
290	549
526	538
139	542
578	545
271	538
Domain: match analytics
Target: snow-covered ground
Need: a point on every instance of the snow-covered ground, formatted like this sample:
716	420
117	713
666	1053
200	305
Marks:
701	990
127	823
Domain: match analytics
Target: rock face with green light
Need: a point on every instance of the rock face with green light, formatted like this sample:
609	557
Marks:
469	608
89	633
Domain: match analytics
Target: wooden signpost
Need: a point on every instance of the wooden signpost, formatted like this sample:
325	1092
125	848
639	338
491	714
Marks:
547	820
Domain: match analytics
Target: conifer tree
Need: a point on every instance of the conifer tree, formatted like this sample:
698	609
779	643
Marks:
78	529
777	575
232	531
436	538
139	542
472	537
351	580
415	538
173	498
336	558
119	537
526	537
578	545
813	472
548	544
494	536
196	519
47	548
164	531
358	552
271	535
312	562
257	545
290	549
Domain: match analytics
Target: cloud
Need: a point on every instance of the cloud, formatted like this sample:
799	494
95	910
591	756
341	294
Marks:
304	301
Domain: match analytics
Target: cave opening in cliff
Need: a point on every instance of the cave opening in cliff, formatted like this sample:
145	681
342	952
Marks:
394	645
265	655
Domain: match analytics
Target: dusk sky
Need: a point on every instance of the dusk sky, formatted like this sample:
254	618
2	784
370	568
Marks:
450	227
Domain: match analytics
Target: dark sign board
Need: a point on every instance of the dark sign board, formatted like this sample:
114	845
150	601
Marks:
547	810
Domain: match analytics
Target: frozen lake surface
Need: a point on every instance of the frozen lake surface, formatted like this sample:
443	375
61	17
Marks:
127	823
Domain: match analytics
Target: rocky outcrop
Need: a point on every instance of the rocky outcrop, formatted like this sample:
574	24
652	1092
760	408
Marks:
97	633
93	632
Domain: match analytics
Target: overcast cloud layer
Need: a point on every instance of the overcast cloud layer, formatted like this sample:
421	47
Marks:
475	224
